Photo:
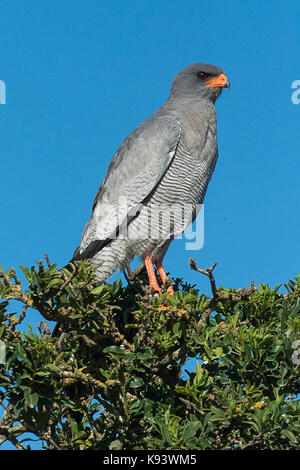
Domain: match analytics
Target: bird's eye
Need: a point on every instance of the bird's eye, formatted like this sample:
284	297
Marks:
202	75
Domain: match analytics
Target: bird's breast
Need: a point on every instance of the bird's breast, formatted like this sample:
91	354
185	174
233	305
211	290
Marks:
188	176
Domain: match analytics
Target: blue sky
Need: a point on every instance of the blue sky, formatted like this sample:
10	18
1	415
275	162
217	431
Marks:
81	75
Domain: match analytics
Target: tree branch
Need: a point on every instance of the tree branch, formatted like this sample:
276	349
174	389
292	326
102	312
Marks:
207	272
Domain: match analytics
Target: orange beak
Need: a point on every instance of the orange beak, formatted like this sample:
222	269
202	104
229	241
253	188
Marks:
220	81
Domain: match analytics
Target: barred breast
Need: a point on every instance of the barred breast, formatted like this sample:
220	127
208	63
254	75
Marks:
173	204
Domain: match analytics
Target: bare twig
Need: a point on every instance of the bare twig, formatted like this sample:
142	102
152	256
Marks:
16	279
207	272
41	266
47	260
113	328
218	295
44	328
131	275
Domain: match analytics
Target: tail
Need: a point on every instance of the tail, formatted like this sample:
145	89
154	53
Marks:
105	257
106	262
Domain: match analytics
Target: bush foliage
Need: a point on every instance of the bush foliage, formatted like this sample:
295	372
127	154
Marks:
133	370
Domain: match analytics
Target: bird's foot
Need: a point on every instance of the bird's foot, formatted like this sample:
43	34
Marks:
170	290
164	277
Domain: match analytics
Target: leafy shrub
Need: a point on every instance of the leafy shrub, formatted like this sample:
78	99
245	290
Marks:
120	377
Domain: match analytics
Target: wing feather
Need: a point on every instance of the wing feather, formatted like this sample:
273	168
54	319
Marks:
134	172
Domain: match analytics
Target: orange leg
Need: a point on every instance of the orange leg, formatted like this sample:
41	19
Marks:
151	274
163	276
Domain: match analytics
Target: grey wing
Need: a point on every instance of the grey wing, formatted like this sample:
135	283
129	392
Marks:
133	174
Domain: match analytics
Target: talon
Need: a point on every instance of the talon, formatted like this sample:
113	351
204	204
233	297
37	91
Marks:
170	290
163	276
151	275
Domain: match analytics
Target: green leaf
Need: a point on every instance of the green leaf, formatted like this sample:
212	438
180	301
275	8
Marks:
136	406
190	430
129	358
74	429
218	352
53	367
55	282
289	434
30	398
218	415
116	445
42	373
98	290
165	433
144	356
27	272
177	328
114	350
136	382
131	325
115	287
36	279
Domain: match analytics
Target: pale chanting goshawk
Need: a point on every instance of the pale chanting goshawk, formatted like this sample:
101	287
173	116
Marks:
160	171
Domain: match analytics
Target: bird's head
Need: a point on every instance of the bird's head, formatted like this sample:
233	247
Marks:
200	81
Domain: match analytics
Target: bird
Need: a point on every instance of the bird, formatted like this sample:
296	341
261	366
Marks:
160	171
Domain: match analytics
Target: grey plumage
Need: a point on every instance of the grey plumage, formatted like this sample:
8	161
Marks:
167	161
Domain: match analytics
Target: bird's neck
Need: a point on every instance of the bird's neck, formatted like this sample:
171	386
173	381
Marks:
187	106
